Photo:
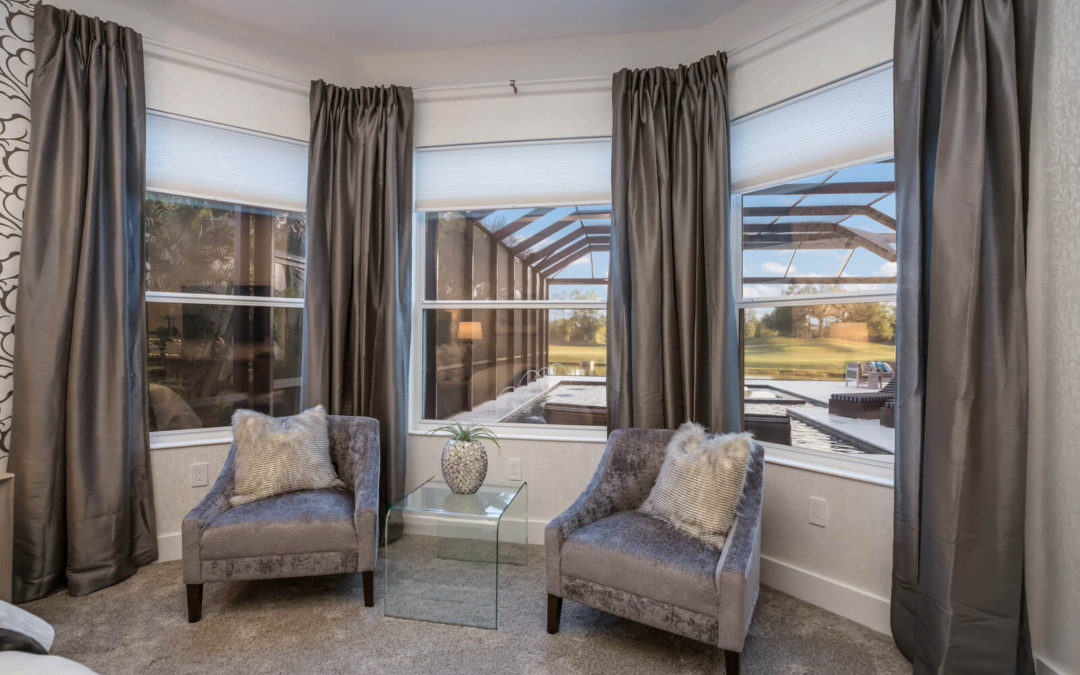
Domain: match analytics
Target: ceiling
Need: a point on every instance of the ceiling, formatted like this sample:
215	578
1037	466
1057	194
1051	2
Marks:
384	26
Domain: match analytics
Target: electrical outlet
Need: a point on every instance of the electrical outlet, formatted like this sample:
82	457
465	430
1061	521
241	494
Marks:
514	469
200	475
819	512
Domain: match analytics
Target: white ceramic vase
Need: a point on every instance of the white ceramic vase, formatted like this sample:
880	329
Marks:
464	465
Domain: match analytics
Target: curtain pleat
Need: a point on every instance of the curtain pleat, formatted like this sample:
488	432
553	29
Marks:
672	329
359	284
962	100
84	508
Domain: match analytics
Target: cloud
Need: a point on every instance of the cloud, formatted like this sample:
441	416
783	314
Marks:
887	269
776	268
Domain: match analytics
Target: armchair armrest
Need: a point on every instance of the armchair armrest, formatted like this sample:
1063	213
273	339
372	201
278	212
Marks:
738	572
622	481
354	445
215	503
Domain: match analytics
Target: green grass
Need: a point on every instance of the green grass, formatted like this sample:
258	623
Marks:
776	357
572	355
809	358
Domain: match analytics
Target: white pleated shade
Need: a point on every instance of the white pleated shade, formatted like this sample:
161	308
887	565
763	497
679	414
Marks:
204	160
839	126
549	173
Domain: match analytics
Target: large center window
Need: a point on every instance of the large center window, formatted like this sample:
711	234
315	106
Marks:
512	254
515	318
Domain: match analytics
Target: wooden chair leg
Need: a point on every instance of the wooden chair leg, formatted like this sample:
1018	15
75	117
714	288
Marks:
731	662
554	613
369	588
194	602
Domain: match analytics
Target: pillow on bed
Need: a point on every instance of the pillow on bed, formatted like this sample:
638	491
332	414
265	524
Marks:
700	483
275	455
22	631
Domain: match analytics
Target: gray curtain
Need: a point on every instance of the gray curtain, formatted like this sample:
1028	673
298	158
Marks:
359	280
962	99
84	509
672	330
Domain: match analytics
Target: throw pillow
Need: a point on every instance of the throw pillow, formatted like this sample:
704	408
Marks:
700	483
275	455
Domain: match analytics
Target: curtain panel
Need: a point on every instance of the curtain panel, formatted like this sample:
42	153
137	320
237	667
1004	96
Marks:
962	103
358	306
672	328
84	508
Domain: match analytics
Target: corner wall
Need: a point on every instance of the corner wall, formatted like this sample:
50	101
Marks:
1053	536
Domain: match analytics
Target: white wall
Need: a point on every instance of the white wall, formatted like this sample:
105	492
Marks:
844	567
1053	536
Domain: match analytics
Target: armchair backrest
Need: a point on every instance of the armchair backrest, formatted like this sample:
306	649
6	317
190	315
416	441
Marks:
352	440
631	464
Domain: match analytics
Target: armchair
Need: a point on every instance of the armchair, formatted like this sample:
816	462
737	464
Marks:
604	553
304	533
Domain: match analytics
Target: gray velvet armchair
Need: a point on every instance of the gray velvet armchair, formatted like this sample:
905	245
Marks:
295	534
604	553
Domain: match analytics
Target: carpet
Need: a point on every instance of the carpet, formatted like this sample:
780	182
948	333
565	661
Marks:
320	625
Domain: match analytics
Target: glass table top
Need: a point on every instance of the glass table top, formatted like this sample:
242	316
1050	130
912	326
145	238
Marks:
435	496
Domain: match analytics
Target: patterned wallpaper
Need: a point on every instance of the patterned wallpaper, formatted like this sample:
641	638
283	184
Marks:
16	66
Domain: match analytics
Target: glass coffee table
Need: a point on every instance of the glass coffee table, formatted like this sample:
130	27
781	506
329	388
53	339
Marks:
443	551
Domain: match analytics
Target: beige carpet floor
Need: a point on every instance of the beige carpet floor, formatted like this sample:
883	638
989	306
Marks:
320	625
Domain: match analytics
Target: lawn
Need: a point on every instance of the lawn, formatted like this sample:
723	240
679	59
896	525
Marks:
776	357
572	355
810	358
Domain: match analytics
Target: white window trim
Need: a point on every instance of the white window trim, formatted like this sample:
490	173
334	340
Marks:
187	438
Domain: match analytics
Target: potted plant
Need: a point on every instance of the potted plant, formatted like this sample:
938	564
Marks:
464	459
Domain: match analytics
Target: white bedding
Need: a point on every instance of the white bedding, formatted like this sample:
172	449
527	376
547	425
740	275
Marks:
24	663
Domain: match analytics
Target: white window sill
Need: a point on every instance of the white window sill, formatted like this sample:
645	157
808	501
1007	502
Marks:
874	469
189	438
523	432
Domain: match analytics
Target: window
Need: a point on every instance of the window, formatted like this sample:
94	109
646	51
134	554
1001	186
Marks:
818	262
512	297
225	261
818	308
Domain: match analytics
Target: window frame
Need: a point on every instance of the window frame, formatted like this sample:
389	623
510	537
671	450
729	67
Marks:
418	424
180	438
870	468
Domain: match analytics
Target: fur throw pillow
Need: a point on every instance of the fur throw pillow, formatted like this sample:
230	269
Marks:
700	483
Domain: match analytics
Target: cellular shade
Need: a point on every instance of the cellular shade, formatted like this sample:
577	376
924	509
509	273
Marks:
514	174
204	160
842	125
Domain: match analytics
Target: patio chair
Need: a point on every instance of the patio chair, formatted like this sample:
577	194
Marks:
851	373
864	405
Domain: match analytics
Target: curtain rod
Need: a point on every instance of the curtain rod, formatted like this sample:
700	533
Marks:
305	84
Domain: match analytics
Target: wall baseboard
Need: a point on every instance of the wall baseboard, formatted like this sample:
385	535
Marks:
1043	667
169	547
835	596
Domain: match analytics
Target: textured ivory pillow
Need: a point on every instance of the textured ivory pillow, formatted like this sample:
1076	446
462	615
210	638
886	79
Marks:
700	483
280	454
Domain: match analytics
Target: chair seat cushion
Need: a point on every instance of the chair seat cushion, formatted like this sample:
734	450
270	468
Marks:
311	521
637	553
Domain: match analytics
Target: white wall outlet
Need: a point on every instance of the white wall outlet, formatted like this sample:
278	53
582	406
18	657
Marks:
200	474
513	468
819	512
